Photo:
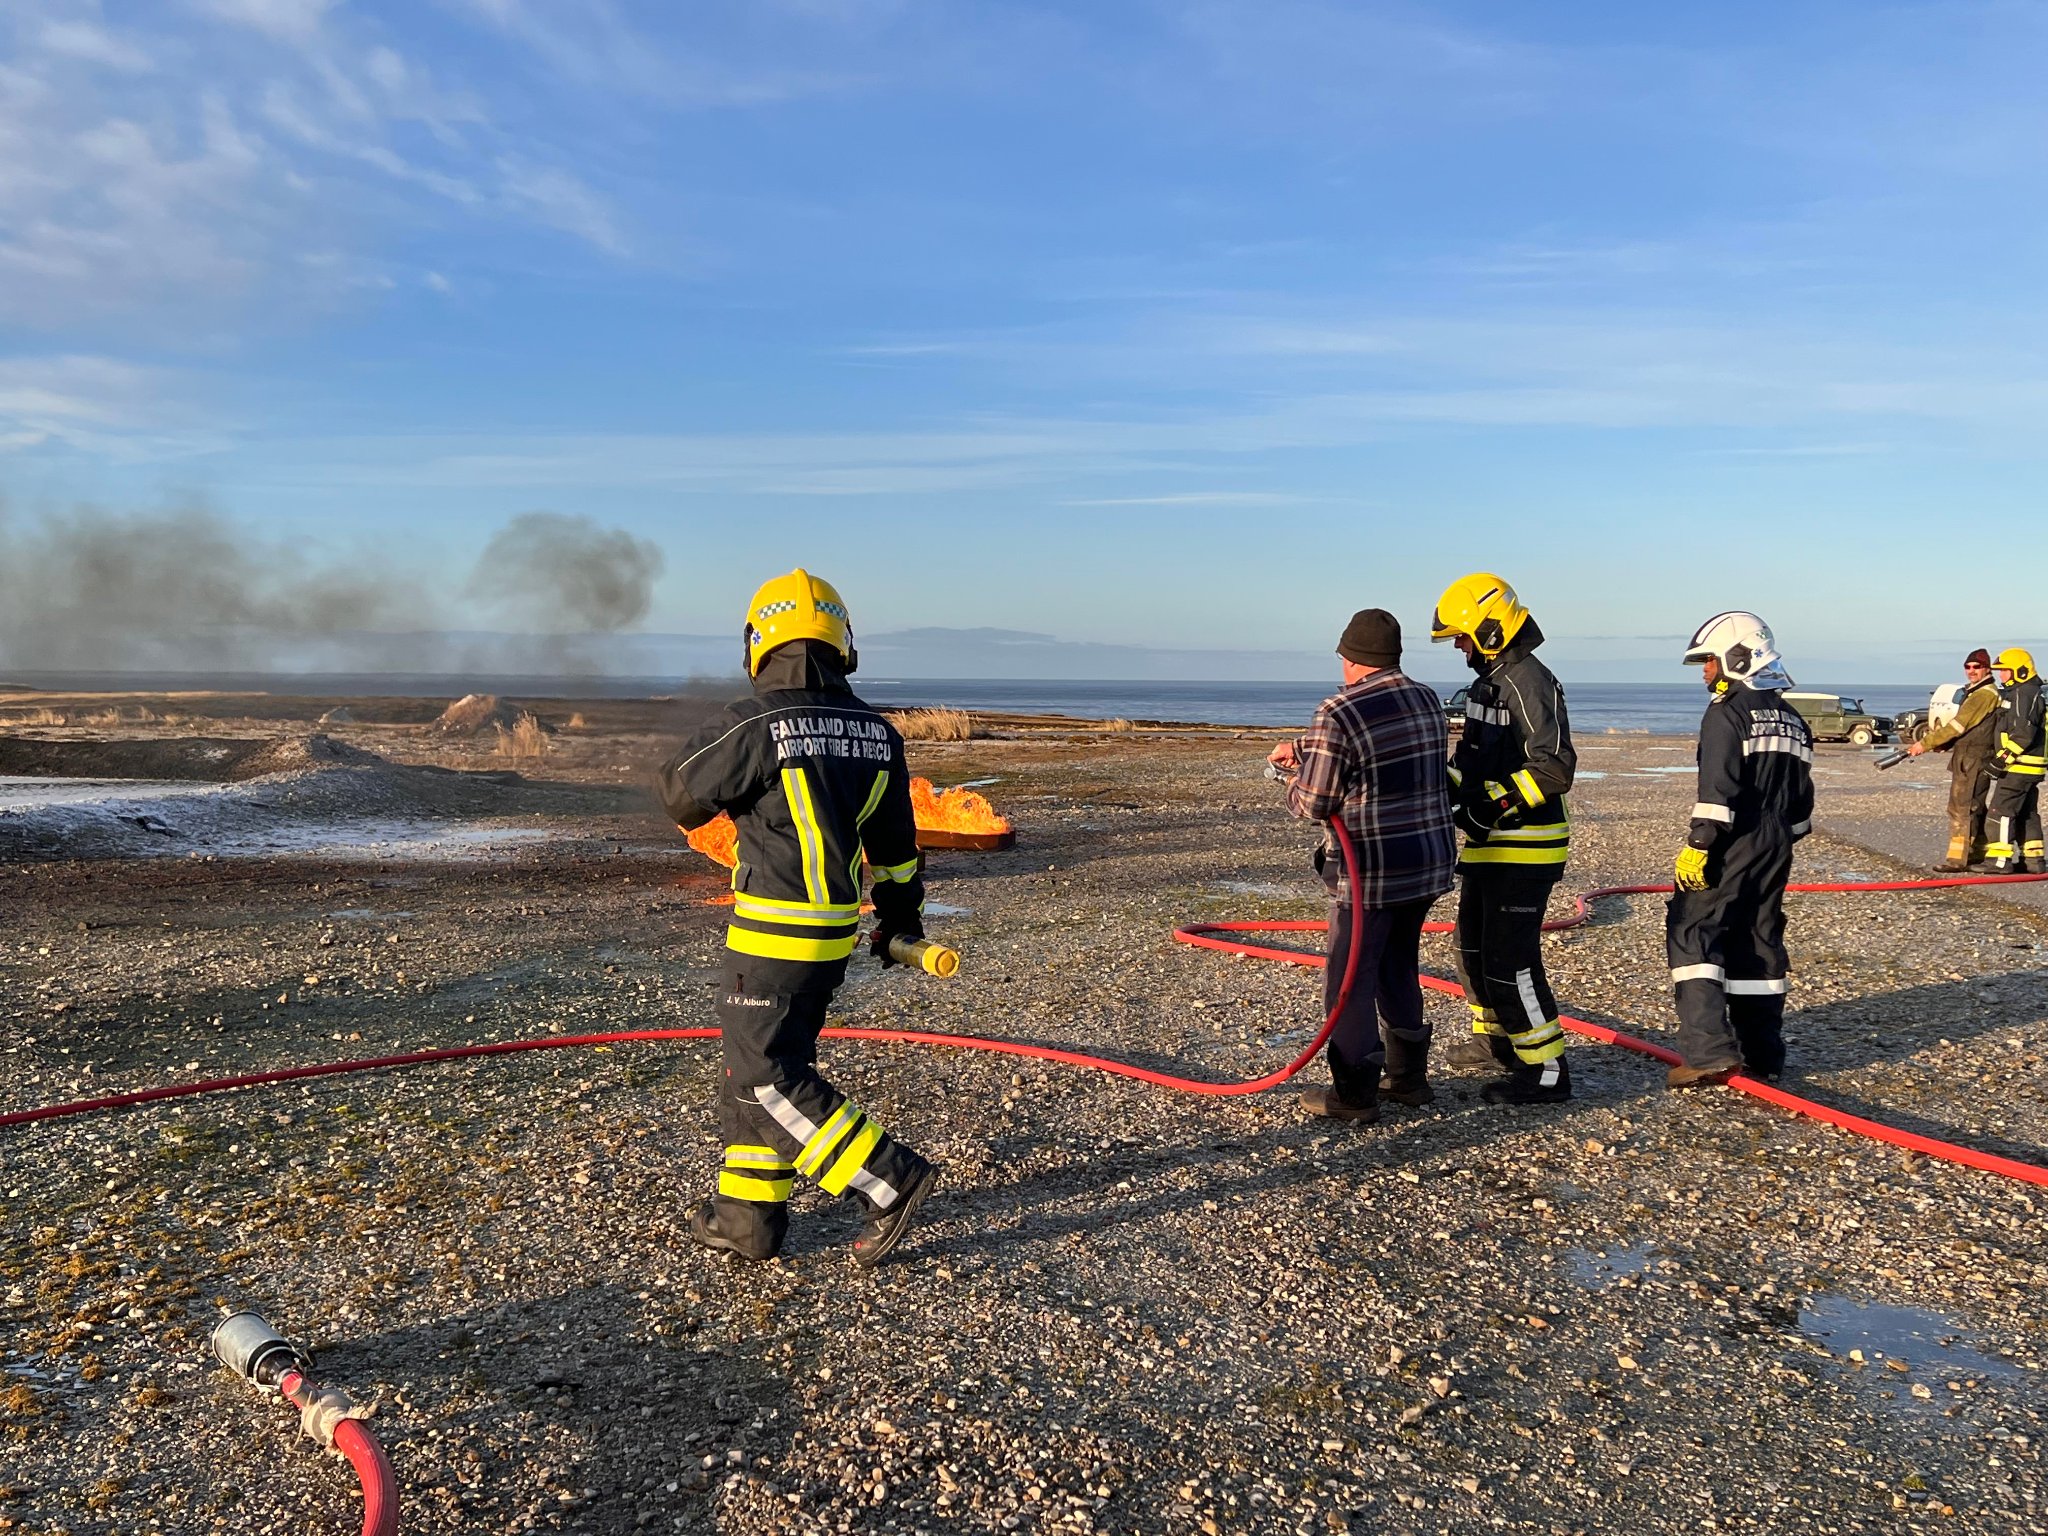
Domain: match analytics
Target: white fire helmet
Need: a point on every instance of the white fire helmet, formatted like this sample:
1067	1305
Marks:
1742	643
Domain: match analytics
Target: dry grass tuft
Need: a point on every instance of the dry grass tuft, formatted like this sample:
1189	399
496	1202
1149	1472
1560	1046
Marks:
1118	724
934	724
523	739
41	715
577	722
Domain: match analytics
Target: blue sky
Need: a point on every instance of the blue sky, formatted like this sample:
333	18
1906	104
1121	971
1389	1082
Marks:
1195	323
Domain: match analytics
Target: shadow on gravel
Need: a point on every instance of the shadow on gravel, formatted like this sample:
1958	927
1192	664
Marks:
592	1409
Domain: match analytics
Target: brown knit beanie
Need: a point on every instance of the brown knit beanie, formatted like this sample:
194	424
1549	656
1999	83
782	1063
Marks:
1978	658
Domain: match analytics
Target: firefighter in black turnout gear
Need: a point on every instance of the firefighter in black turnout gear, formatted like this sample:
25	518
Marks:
2019	759
1725	927
1509	775
814	781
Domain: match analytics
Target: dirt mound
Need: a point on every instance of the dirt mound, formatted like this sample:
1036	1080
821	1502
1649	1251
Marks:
342	716
199	759
476	713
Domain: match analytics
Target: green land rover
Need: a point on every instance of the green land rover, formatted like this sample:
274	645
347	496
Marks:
1832	717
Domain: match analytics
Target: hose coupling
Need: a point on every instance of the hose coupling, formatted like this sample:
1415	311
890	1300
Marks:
257	1352
323	1410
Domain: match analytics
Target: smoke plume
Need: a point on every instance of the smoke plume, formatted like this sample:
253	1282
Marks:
99	591
558	573
185	590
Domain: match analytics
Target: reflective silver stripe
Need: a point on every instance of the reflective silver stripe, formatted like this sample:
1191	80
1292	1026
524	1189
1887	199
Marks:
1801	828
1698	973
787	1115
1487	715
1525	984
1759	988
1704	810
881	1191
1798	749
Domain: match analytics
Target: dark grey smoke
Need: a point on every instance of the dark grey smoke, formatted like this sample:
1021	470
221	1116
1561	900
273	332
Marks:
93	590
558	573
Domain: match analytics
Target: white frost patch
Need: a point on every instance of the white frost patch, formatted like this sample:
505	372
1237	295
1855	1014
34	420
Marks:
18	793
943	909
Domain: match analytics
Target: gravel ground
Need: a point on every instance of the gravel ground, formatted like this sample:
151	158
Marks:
1125	1310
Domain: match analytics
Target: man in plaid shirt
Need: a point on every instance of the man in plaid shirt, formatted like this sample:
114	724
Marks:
1375	754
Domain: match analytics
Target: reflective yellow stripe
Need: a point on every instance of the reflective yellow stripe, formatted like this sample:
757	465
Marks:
796	788
901	874
1537	1055
825	1138
851	1160
827	917
776	946
1488	854
874	799
738	1186
1526	783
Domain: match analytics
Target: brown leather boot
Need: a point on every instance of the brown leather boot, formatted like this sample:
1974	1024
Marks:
1682	1076
1331	1105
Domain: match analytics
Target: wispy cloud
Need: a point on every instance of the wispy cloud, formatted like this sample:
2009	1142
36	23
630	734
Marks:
100	406
193	159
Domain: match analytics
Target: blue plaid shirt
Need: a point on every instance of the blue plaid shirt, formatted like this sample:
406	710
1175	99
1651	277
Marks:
1376	753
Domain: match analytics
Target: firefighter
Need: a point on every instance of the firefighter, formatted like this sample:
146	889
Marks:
2019	757
814	781
1969	738
1509	774
1725	928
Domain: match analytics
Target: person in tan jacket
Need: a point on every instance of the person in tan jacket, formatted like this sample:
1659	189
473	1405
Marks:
1968	739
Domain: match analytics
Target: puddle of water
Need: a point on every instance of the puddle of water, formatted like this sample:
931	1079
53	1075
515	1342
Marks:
1670	768
1586	774
1925	1342
368	915
943	909
1597	1271
977	783
372	840
20	793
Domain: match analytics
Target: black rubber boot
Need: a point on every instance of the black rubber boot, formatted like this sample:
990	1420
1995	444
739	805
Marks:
1549	1082
885	1229
719	1224
1483	1053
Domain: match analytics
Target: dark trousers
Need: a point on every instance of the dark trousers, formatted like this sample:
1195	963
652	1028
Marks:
1387	991
1726	947
2012	826
1968	787
779	1116
1500	955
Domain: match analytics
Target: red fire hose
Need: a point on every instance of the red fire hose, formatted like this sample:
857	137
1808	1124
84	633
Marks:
373	1467
1203	935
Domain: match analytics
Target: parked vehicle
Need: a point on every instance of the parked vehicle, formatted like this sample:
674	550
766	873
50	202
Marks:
1832	717
1941	708
1454	708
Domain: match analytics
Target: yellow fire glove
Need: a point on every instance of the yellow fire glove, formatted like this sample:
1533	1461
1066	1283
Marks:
1691	869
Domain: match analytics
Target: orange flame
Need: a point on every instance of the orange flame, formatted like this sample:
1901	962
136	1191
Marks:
953	810
718	840
956	810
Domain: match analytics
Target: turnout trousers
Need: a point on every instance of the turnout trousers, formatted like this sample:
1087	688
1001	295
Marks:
1382	1027
1500	955
778	1115
1726	946
1969	788
2012	824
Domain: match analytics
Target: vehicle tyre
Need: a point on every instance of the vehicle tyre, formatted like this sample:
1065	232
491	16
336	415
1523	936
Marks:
1861	736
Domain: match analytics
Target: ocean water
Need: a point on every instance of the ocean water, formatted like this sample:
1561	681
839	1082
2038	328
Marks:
1658	708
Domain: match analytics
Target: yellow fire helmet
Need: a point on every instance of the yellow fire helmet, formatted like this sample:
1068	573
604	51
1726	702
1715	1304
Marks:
2016	661
798	606
1482	607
